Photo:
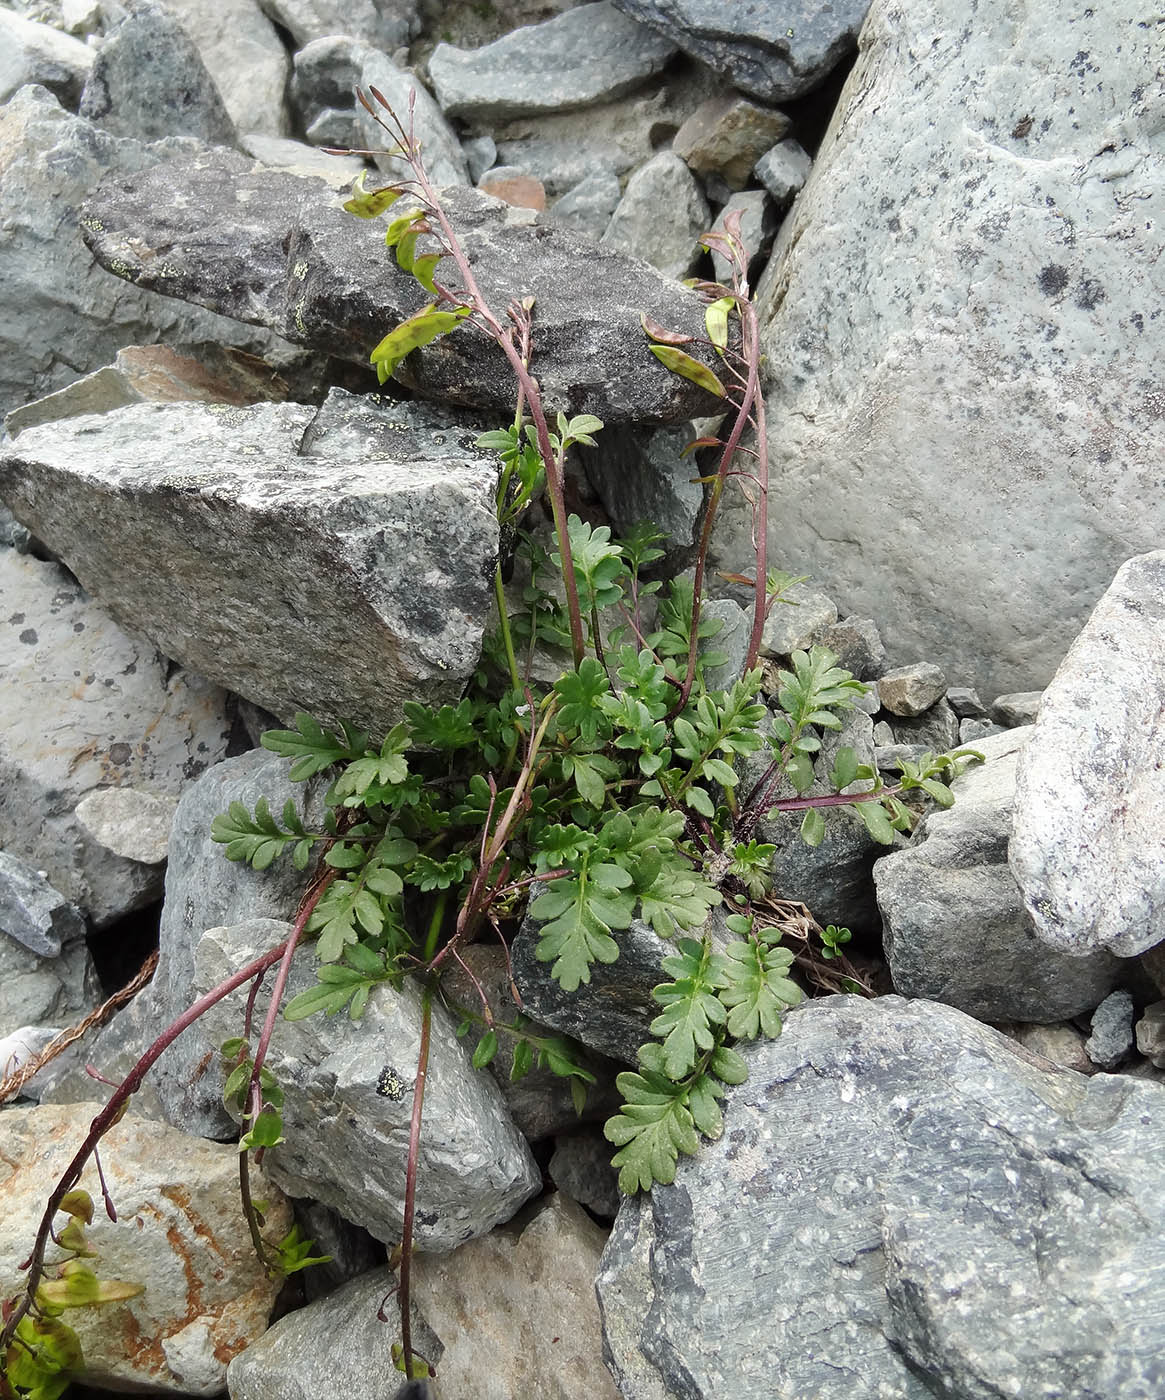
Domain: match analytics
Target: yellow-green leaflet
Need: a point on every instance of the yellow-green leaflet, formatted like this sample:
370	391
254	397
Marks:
410	335
687	368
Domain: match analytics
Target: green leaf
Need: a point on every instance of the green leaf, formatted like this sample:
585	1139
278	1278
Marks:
580	918
716	320
845	769
728	1066
485	1050
757	989
369	204
652	1128
813	827
688	368
691	1007
876	821
410	335
266	1131
315	748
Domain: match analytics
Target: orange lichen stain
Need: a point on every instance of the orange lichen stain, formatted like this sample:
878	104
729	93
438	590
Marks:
193	1282
144	1353
181	1198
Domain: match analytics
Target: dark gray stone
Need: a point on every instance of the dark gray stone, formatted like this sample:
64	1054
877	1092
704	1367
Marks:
758	223
661	216
909	690
376	529
581	1168
352	1250
587	207
587	55
903	1204
335	127
347	1138
965	702
1112	1031
783	171
858	647
935	729
149	81
32	912
1020	707
278	251
972	730
772	49
561	164
45	991
955	927
38	53
385	23
644	476
325	74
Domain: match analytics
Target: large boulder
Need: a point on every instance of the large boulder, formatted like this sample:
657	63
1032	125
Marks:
337	562
179	1231
278	250
958	335
904	1203
64	316
1087	849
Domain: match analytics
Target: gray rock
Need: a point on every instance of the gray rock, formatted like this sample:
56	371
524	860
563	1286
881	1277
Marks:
113	1051
350	509
1090	807
1061	1043
1021	707
480	153
888	757
129	822
385	23
972	730
908	690
965	702
83	705
149	81
44	991
644	476
857	644
440	148
38	53
587	55
52	162
936	729
726	135
563	164
338	128
731	641
1150	1032
800	618
326	73
758	223
352	1251
348	1103
772	49
581	1169
660	217
783	170
279	251
955	927
81	17
903	1204
587	207
1112	1031
300	159
32	912
1034	356
245	57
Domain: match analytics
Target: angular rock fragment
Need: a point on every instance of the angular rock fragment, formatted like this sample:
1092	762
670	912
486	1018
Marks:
32	912
385	23
908	690
38	53
758	223
410	100
589	54
1112	1030
279	251
902	1204
348	1104
587	207
129	822
801	617
783	171
726	136
661	216
277	550
645	476
41	990
245	57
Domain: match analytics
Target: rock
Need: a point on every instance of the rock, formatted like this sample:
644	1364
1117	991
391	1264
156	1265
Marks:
480	153
660	217
337	128
440	149
179	1232
563	164
89	706
52	161
149	81
800	619
1061	1043
299	159
758	223
375	581
587	55
351	1250
644	476
507	183
1112	1031
771	49
726	135
1150	1032
157	374
731	641
1010	273
32	912
385	23
581	1169
972	730
325	75
81	17
348	1103
587	207
955	927
112	1051
38	53
783	170
129	822
909	690
1022	707
902	1204
43	991
246	59
19	1047
858	646
935	729
965	702
280	251
1090	804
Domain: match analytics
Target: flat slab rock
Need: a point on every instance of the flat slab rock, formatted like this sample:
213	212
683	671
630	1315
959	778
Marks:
277	250
337	562
904	1204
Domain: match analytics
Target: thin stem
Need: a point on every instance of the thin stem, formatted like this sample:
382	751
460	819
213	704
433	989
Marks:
504	627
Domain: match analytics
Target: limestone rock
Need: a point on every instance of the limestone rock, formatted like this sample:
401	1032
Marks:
726	136
902	1204
955	927
84	705
661	216
38	53
279	251
1090	805
348	1104
936	436
245	57
440	149
32	912
589	54
149	81
772	49
179	1232
376	532
908	690
129	822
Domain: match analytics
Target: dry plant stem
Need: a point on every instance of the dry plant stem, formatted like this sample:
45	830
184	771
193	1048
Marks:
12	1085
